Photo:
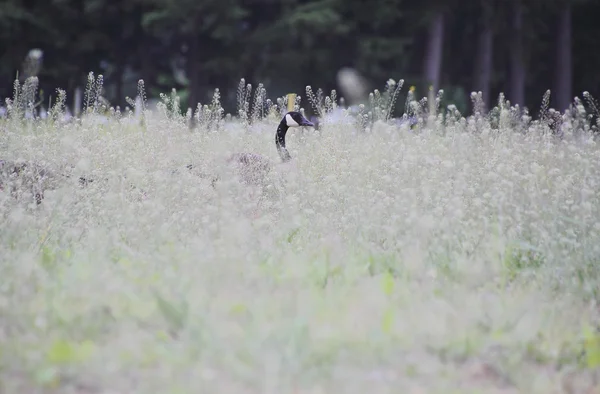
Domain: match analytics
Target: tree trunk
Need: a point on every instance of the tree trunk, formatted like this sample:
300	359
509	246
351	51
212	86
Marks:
564	70
193	74
119	72
145	53
147	65
485	50
517	66
433	56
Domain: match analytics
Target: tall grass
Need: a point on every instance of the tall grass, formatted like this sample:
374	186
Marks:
456	255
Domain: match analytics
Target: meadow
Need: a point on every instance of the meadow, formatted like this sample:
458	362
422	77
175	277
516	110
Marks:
457	255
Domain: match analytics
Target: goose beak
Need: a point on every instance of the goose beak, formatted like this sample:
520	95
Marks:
306	122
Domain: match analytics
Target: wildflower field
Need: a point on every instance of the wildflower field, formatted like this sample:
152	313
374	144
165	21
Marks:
459	254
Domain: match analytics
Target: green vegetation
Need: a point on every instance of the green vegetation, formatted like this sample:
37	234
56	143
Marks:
457	255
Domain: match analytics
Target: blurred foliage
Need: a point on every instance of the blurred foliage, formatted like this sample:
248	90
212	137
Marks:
196	46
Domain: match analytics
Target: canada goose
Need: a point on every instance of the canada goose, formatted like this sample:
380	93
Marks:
252	167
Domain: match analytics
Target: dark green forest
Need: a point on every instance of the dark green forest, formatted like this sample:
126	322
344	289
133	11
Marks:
519	47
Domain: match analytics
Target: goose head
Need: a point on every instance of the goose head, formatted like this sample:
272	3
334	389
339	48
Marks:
291	119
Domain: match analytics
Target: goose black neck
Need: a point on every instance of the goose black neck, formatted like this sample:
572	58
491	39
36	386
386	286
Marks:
280	141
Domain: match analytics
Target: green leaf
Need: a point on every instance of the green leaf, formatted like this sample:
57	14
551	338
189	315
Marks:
592	347
387	321
48	258
292	235
47	377
61	352
387	283
65	352
154	17
238	309
175	316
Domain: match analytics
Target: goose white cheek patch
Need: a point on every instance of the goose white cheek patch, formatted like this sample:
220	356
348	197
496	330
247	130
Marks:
290	121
